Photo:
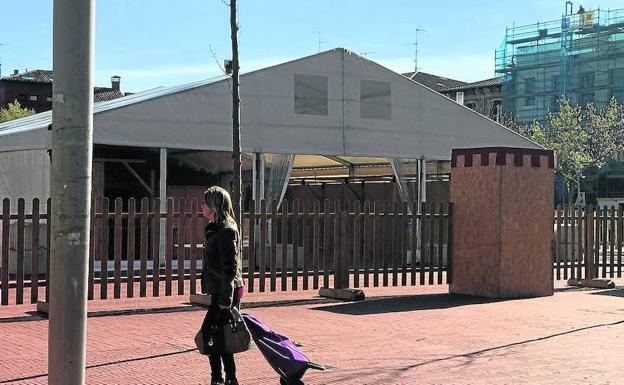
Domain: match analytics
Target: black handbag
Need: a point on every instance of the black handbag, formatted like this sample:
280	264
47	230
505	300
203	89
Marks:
206	341
236	335
199	342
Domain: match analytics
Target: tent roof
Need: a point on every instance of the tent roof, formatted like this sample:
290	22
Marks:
333	103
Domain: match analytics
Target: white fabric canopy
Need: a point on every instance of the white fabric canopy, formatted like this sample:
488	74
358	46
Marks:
370	111
332	103
25	174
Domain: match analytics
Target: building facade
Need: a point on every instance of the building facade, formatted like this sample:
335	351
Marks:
580	56
33	90
483	96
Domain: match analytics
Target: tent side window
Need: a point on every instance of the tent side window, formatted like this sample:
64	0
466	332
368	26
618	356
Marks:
375	99
310	95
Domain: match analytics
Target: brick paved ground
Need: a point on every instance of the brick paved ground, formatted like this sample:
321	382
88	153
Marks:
408	335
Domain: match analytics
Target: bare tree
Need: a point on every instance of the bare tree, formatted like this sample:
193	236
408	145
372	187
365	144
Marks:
236	136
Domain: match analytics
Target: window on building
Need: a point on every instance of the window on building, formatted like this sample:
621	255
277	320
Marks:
586	97
495	113
22	97
459	97
33	98
529	90
617	77
375	100
311	95
618	94
616	80
554	103
49	99
588	79
556	80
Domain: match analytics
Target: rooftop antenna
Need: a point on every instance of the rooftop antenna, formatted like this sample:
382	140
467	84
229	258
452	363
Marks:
415	44
365	54
318	33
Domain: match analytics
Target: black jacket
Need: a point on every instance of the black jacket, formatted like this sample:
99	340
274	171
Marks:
222	264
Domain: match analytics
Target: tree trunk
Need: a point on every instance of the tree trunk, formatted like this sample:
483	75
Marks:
236	136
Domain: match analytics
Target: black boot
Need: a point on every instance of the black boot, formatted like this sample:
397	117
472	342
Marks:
231	381
216	381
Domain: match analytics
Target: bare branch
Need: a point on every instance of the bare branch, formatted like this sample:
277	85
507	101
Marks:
216	59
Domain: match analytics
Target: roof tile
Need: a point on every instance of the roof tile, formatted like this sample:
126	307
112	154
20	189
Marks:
435	82
481	83
37	76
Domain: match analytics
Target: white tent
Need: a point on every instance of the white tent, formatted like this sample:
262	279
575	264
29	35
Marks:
334	103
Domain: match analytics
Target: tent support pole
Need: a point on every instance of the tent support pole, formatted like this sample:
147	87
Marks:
254	178
163	203
258	178
423	174
258	191
152	183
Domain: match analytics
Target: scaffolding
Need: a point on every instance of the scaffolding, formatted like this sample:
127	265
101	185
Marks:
580	56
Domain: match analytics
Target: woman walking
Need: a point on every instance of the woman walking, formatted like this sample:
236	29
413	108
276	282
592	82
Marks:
222	276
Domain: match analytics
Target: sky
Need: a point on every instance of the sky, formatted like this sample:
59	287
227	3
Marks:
151	43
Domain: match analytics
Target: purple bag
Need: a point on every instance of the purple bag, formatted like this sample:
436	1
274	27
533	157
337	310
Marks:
280	352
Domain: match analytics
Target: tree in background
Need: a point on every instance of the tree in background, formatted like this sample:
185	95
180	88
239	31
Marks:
582	137
533	131
614	116
567	135
14	111
604	131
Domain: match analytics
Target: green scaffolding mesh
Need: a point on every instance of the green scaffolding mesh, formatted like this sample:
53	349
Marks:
580	56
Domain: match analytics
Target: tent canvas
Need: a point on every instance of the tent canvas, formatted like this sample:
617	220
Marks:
333	103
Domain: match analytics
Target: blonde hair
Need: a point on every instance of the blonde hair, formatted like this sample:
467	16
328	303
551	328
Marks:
218	199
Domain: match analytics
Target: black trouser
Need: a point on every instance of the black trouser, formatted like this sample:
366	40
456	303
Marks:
229	366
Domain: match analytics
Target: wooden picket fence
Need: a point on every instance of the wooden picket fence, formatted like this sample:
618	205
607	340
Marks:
588	242
296	246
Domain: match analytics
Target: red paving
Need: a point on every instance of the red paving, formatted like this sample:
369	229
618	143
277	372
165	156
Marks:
410	335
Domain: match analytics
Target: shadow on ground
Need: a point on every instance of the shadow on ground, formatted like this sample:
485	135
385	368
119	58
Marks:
574	288
617	292
405	303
